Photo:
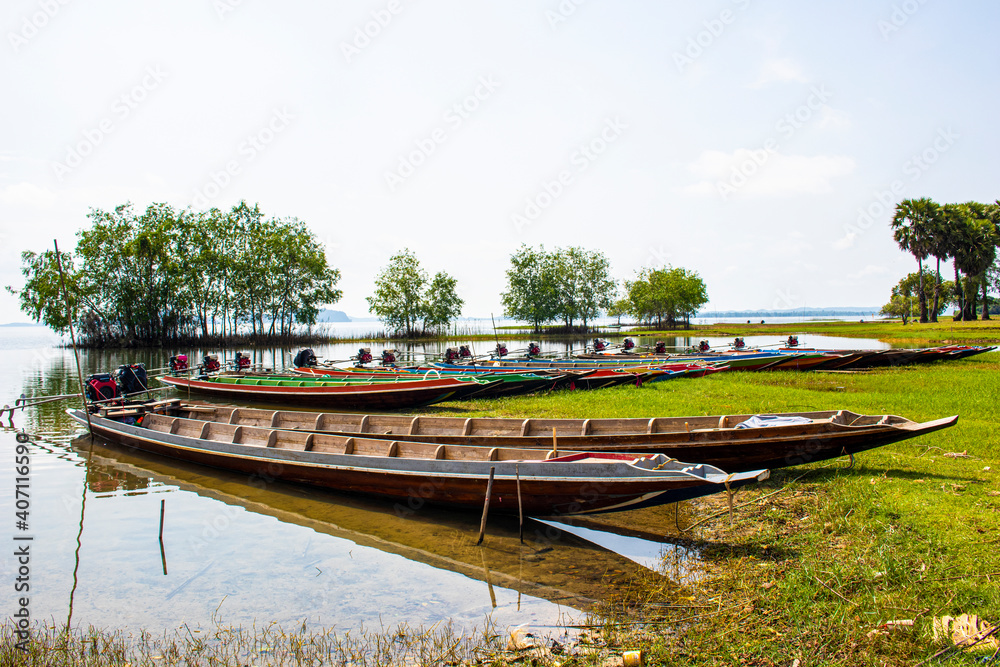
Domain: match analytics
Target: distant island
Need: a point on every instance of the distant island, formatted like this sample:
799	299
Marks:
793	312
328	315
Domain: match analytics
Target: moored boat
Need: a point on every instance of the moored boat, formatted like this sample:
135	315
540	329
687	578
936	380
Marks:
732	442
537	482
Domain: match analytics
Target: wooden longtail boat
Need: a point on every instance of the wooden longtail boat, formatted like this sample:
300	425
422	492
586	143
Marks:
717	440
336	394
551	483
582	378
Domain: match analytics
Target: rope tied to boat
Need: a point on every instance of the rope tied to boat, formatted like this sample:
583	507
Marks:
669	460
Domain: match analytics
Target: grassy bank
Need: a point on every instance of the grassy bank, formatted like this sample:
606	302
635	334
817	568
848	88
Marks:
815	570
940	333
814	565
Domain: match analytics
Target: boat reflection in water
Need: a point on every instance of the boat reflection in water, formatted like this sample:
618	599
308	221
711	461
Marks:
553	576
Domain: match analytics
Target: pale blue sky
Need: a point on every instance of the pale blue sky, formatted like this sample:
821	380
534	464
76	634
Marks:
461	130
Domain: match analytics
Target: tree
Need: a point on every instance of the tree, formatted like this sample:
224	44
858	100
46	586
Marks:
975	254
666	295
155	276
912	225
441	303
904	298
403	300
532	287
399	289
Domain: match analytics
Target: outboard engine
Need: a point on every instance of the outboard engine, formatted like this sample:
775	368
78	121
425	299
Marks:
534	350
451	355
793	341
178	363
660	347
211	363
388	357
100	387
628	344
738	344
364	355
501	350
242	361
304	358
600	345
464	352
132	379
703	346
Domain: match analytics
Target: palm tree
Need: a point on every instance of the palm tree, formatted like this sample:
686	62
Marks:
937	247
975	254
912	226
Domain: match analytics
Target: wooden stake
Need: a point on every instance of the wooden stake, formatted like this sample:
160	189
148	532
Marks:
72	337
555	445
486	507
163	506
520	507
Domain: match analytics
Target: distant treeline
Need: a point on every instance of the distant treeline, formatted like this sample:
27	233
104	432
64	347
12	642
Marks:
167	276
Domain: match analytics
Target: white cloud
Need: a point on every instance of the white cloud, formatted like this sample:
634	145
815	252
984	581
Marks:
830	118
780	70
757	172
846	241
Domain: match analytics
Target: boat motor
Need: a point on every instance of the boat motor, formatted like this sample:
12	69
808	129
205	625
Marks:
600	345
211	363
100	387
242	361
703	346
628	344
660	347
501	350
738	344
450	355
793	341
132	379
178	363
304	358
364	355
464	352
534	350
388	357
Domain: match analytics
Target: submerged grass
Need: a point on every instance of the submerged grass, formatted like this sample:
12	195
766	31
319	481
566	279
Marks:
812	567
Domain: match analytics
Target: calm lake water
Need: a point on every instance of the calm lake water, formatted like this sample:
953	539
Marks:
237	554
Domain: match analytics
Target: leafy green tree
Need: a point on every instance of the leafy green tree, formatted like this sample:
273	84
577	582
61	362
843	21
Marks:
665	295
403	299
441	303
532	287
975	255
904	298
154	276
399	290
912	225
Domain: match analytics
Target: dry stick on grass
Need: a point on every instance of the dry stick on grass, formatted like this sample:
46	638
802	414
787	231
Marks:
827	587
965	576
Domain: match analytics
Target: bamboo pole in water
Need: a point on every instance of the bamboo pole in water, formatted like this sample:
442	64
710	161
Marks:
72	337
486	507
